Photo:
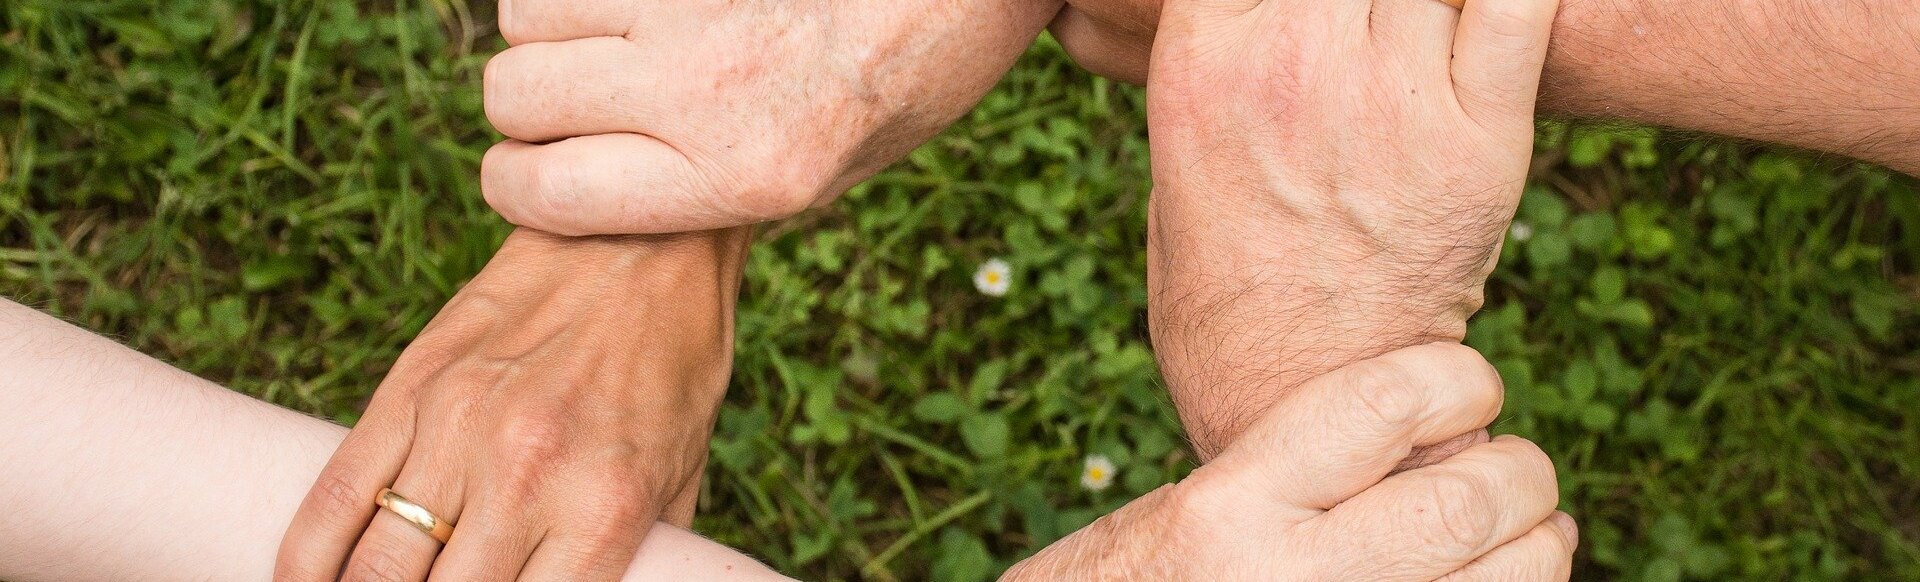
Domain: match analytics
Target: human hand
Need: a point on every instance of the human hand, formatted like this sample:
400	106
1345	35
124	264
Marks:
647	117
1305	494
552	411
1332	181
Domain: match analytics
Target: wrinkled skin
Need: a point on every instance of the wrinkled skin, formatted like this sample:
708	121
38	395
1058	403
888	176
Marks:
1306	494
630	117
557	407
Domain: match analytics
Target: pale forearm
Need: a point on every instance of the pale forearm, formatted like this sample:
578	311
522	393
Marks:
1826	75
120	467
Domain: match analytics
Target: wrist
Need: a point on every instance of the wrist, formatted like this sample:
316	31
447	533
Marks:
1228	357
1131	543
1241	313
664	299
636	264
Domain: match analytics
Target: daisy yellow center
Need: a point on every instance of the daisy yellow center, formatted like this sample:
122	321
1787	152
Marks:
1096	473
993	277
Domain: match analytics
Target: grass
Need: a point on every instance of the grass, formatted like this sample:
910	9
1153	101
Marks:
1717	343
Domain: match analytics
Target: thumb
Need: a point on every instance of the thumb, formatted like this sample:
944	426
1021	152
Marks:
1498	52
1341	432
617	183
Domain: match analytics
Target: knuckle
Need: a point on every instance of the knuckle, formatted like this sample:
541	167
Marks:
1387	393
619	508
1534	462
1202	497
557	188
454	410
336	494
504	90
1478	381
1453	515
376	563
528	441
776	198
513	23
1484	384
617	499
784	182
1546	556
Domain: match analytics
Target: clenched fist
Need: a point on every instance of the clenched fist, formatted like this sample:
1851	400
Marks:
1306	493
651	117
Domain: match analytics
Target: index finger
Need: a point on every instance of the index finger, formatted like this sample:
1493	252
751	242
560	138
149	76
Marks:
1344	431
1433	520
525	21
619	183
341	504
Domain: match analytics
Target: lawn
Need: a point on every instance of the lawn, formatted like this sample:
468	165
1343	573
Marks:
1716	342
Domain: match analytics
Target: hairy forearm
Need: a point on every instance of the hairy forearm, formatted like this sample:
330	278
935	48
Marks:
1242	311
1119	546
1828	75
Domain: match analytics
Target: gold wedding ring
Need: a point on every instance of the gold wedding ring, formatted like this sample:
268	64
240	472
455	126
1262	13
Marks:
1455	3
415	514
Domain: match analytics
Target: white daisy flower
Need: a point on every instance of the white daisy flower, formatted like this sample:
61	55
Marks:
1097	475
1521	232
993	278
